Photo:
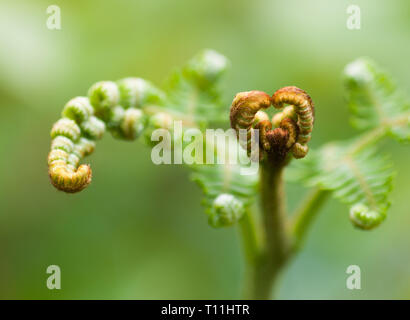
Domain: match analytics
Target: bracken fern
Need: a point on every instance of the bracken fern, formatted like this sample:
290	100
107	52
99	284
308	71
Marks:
354	171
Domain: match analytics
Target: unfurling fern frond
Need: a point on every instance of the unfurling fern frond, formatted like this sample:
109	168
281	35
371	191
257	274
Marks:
137	92
228	192
355	172
226	209
294	124
173	122
361	179
128	108
302	106
193	91
84	120
375	101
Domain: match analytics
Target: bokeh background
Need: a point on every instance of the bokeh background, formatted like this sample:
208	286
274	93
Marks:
139	231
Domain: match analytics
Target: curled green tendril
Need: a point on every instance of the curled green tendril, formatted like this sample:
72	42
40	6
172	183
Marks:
225	211
67	148
132	124
93	128
104	95
364	218
136	92
130	108
84	121
78	109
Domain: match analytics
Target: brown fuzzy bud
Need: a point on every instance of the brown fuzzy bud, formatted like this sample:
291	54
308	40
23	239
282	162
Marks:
303	106
244	107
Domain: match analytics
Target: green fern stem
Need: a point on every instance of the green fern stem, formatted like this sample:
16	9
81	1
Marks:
262	272
250	235
265	261
305	215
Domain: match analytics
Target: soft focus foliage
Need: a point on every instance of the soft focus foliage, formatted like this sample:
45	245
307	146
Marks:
139	230
375	101
193	91
363	178
218	180
356	171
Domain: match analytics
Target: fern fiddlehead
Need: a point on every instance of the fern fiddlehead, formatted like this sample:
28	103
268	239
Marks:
364	218
84	121
69	145
244	107
293	126
129	108
303	107
288	132
225	210
352	172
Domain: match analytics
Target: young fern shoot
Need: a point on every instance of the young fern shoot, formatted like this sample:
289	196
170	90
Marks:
352	171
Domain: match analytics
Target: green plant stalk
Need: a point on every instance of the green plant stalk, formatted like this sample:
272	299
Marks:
280	243
250	235
263	269
251	232
305	215
266	256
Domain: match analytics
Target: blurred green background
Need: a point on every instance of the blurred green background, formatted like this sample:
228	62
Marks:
139	231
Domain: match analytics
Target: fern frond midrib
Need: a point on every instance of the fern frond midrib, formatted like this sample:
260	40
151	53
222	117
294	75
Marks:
368	139
362	181
377	105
